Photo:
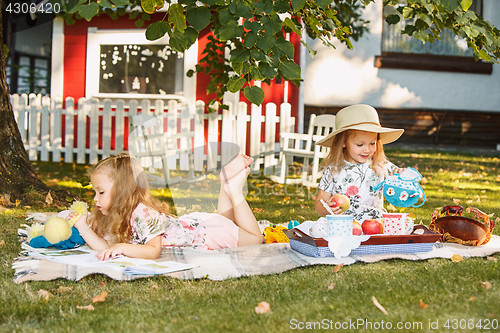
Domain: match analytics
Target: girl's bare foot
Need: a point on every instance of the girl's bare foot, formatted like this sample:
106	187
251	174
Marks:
237	164
234	186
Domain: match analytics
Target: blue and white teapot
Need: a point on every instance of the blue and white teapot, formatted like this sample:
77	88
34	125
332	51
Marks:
403	190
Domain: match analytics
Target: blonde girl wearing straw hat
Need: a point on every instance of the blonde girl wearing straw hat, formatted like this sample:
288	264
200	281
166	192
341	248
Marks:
356	162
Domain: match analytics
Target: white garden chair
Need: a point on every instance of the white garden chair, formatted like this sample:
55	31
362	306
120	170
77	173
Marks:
156	149
303	145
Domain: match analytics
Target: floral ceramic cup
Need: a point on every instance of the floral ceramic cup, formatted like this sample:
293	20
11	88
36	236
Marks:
397	224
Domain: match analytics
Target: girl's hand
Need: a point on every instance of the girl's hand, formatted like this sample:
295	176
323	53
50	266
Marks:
398	171
335	210
111	252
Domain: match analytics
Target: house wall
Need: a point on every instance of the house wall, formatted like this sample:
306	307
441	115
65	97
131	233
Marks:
70	49
339	77
433	107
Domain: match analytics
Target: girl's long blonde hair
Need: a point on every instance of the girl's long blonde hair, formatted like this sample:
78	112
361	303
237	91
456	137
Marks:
337	154
130	188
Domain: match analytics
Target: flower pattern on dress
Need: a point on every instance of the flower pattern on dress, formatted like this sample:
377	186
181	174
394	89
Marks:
357	182
147	223
403	196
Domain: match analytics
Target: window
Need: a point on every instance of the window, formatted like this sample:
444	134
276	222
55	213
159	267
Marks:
451	53
124	64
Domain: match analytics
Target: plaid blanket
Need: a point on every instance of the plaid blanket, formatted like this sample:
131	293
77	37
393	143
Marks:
236	262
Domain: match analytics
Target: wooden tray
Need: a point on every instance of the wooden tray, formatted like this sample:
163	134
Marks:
427	237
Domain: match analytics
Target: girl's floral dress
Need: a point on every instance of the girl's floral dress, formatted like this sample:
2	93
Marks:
357	181
148	223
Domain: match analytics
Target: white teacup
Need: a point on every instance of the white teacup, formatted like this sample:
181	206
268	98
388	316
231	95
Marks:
319	229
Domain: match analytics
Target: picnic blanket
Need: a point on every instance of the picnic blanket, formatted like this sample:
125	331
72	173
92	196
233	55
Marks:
236	262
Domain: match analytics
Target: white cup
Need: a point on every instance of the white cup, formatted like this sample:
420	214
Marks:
339	225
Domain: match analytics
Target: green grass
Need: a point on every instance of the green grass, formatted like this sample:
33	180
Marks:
451	290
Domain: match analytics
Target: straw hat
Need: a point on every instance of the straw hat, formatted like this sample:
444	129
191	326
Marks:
360	117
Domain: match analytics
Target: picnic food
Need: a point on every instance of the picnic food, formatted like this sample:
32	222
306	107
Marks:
356	228
372	227
463	230
340	200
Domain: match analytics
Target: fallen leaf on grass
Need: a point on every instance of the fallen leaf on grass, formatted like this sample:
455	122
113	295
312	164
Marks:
154	286
89	307
472	299
100	298
330	286
492	258
337	268
276	213
2	242
48	199
486	284
257	210
45	294
380	307
456	258
423	305
263	307
62	289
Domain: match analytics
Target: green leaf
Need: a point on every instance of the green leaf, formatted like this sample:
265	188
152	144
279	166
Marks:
139	23
289	23
484	55
239	55
466	4
290	70
250	39
150	6
226	16
285	47
176	17
421	35
106	4
242	10
157	30
198	17
407	12
450	5
271	24
235	84
259	55
254	94
230	30
74	5
312	52
267	70
209	2
256	74
281	6
298	4
121	3
265	42
89	11
252	25
323	3
426	18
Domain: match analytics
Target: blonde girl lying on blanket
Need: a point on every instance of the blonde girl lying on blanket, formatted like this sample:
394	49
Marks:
128	220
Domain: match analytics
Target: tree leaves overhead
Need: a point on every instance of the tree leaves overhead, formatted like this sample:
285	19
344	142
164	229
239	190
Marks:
250	38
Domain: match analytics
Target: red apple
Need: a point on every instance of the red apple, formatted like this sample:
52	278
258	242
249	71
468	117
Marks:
372	227
340	200
356	229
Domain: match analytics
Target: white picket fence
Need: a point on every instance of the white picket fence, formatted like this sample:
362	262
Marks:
43	130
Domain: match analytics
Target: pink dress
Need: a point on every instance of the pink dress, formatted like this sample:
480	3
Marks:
197	230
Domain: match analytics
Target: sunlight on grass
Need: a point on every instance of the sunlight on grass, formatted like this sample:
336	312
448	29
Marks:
310	294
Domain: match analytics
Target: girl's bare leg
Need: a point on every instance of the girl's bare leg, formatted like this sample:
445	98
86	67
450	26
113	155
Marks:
249	232
237	164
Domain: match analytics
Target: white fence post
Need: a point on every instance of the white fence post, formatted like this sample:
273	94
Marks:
216	137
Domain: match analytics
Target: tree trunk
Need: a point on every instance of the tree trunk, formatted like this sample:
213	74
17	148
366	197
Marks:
16	172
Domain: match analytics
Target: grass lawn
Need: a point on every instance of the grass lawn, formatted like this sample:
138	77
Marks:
436	295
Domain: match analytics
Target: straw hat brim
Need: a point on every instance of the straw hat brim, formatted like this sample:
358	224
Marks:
387	135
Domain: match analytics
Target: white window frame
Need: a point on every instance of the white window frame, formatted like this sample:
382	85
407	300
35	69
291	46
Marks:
97	37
